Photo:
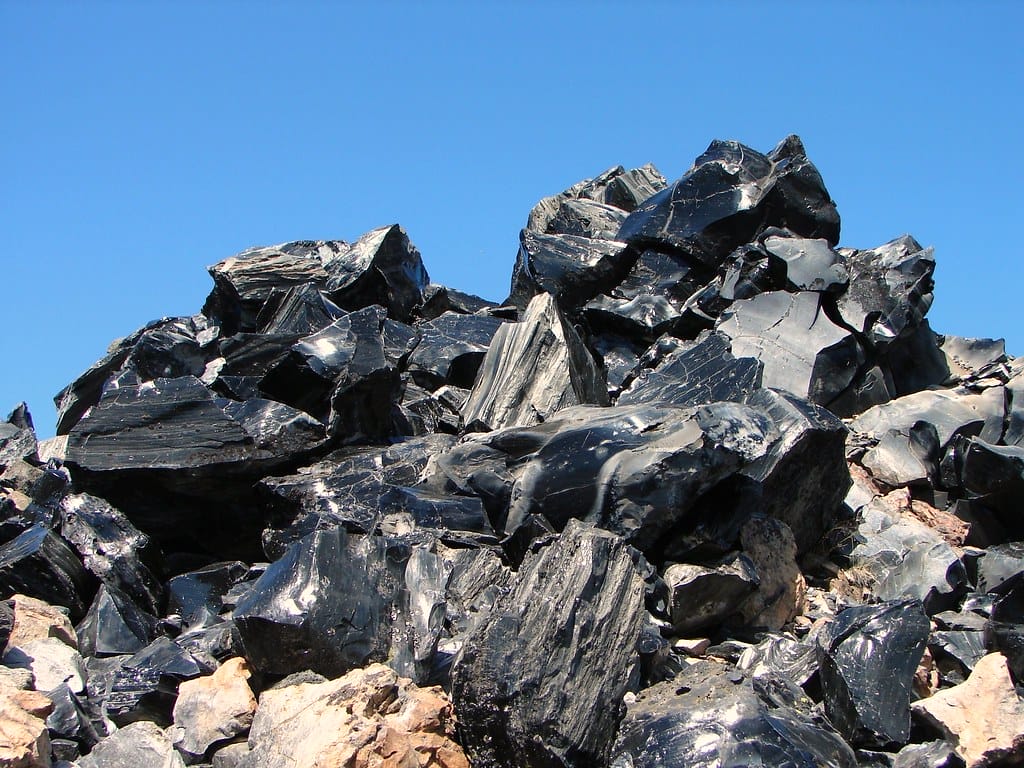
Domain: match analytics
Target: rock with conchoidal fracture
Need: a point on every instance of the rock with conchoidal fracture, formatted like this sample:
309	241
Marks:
450	349
867	658
709	716
40	564
540	680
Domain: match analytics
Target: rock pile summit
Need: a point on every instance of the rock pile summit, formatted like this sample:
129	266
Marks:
704	490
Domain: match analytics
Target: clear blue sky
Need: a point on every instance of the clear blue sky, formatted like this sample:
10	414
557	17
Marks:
141	142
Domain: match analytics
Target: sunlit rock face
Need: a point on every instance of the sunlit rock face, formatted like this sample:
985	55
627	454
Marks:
705	489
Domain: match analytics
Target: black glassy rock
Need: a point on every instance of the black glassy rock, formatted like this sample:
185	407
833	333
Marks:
192	593
300	310
145	685
572	268
381	267
802	351
868	657
695	373
533	369
450	349
703	596
541	679
40	564
17	438
341	375
115	625
729	196
708	716
335	602
615	187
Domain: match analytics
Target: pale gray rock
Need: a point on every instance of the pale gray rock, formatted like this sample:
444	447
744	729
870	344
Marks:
134	746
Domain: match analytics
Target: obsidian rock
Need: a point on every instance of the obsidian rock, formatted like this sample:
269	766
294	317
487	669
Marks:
695	373
867	659
729	196
704	596
802	351
189	594
450	349
300	310
381	267
332	603
17	438
540	680
145	685
708	716
113	549
571	268
115	625
40	564
532	369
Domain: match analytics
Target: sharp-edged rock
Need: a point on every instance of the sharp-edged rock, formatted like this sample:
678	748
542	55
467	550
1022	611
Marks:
145	685
541	678
706	596
52	662
189	594
707	717
35	619
40	564
533	369
867	657
115	625
450	349
137	744
214	708
983	717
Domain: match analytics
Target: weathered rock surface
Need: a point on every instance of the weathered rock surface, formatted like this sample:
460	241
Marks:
24	739
369	717
533	369
541	678
983	717
34	620
214	708
51	661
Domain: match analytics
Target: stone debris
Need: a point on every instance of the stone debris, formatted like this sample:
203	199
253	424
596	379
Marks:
705	489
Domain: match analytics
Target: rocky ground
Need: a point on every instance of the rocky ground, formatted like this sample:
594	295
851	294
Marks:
705	490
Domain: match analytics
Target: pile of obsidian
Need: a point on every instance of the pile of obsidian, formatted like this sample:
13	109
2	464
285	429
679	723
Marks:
704	490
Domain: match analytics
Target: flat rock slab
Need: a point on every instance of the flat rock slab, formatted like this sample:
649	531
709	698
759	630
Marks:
540	679
983	717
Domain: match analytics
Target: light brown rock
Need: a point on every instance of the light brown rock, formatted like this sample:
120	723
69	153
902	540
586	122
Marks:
214	708
983	716
779	598
369	718
24	740
35	619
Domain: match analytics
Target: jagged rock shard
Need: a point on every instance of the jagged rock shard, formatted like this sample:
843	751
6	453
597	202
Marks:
1014	434
950	412
112	548
802	351
368	718
890	289
189	594
381	267
450	349
299	616
540	680
243	283
704	718
907	559
115	625
972	359
145	685
994	475
809	265
867	659
586	218
696	373
616	186
300	310
571	268
801	478
999	565
17	438
637	470
704	596
341	376
729	196
40	564
533	369
176	424
983	717
438	299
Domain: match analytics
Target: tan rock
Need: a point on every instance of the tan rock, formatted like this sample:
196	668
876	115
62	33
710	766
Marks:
24	740
926	676
983	716
214	708
779	598
369	718
696	646
35	619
